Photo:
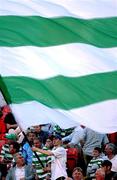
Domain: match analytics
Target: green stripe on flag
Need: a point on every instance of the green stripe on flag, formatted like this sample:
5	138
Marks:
63	92
40	31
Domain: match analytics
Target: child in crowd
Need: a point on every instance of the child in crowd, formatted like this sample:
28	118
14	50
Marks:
95	163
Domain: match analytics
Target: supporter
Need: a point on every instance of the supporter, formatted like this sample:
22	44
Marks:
91	140
10	124
104	172
77	174
59	157
95	162
20	170
111	152
43	135
5	109
5	156
26	149
14	148
41	171
3	128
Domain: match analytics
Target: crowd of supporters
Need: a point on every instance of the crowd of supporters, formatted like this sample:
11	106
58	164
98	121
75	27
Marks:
47	152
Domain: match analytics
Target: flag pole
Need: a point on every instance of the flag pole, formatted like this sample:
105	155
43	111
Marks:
3	89
8	101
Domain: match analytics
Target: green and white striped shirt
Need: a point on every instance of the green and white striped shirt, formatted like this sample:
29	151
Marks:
38	167
5	154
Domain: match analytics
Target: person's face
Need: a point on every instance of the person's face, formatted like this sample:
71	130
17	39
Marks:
49	143
100	174
20	160
6	109
108	150
31	137
56	142
37	143
37	128
77	175
95	153
11	149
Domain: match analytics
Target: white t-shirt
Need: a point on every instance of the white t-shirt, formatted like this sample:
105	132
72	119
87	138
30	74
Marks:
114	163
20	173
58	164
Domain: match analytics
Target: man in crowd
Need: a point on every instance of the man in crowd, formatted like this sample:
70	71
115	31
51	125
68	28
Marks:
21	169
111	152
43	135
5	156
26	149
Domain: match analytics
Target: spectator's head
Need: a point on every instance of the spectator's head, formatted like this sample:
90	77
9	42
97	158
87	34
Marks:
110	148
37	143
96	152
5	109
77	174
37	129
49	143
14	147
107	165
57	140
31	136
19	159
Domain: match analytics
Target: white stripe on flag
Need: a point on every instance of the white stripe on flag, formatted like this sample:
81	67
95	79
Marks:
76	8
68	60
33	113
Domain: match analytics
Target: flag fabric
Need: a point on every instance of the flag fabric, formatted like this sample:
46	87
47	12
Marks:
58	62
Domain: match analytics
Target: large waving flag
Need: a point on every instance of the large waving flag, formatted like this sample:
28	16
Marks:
58	62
